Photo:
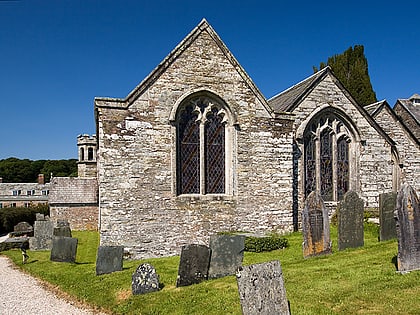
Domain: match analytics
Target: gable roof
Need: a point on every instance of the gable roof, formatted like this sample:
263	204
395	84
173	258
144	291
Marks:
173	55
287	100
376	108
412	106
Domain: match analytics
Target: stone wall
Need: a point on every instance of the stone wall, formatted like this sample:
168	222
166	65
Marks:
371	171
408	148
137	157
75	200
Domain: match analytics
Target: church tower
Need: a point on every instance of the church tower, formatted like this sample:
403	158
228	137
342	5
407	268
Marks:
86	146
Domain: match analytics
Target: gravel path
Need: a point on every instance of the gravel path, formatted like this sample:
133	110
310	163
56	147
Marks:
23	294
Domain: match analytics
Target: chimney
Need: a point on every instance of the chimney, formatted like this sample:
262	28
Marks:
41	179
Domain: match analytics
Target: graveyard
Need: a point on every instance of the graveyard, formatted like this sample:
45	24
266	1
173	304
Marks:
362	280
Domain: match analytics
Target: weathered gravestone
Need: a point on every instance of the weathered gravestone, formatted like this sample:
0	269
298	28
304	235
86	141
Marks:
64	249
43	235
350	221
408	229
109	259
387	225
227	253
193	265
40	217
21	229
145	280
62	228
315	227
261	289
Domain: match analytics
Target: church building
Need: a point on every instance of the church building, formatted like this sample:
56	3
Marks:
196	149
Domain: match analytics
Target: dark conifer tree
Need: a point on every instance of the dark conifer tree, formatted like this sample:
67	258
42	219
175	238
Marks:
351	68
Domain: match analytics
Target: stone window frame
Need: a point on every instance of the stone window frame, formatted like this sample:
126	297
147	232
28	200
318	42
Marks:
230	144
350	133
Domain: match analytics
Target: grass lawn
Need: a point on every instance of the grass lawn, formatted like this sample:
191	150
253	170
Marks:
354	281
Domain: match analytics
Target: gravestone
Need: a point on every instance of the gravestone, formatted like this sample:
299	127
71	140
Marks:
261	289
387	224
64	249
21	229
40	217
43	235
145	280
109	259
62	228
350	221
315	227
408	229
193	265
227	253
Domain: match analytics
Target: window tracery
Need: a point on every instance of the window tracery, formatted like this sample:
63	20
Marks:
201	151
326	144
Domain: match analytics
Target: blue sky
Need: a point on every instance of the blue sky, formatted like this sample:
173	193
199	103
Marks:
57	56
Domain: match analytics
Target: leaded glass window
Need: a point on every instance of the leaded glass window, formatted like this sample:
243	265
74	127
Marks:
201	153
342	167
189	152
326	160
326	165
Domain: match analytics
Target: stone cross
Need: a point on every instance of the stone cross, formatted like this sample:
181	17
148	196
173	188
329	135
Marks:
350	221
387	224
408	229
261	289
315	227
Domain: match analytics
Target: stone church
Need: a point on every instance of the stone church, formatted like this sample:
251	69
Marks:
196	149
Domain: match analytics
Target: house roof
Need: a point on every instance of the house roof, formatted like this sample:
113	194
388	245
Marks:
287	100
172	56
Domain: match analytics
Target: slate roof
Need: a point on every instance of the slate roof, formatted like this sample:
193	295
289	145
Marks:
412	105
375	108
287	100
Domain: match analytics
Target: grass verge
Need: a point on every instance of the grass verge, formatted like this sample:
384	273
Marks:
353	281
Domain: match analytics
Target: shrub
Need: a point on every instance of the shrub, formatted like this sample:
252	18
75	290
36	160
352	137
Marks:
9	217
265	244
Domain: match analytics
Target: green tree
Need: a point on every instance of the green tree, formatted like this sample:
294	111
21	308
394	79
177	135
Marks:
14	170
351	68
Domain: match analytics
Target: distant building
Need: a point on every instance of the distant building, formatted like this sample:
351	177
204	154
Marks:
24	194
408	110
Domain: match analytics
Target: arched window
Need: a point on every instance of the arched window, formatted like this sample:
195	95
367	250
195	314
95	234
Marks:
201	147
90	154
326	157
82	154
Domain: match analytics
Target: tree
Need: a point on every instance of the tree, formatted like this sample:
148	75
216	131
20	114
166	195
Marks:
351	68
14	170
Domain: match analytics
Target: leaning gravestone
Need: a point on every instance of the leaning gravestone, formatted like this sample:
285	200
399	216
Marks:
227	253
109	259
261	289
43	235
62	229
145	280
64	249
315	227
193	265
387	226
350	221
408	229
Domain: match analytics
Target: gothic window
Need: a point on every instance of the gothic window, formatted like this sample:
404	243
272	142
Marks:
201	152
326	159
